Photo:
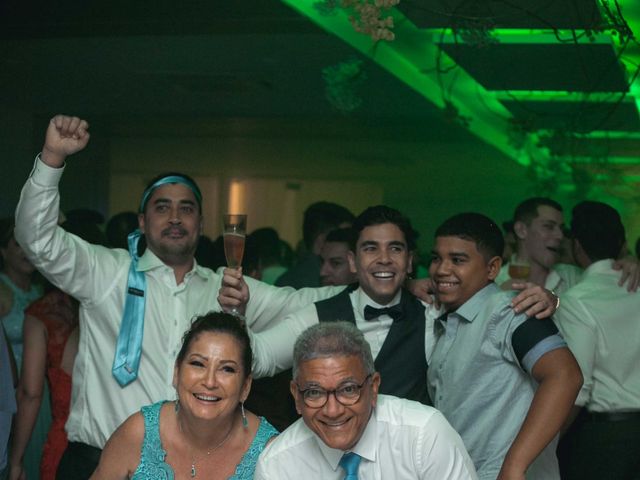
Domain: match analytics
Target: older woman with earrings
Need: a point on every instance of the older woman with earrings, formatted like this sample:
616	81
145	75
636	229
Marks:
206	432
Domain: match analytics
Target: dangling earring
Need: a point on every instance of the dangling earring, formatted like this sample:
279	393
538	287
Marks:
245	423
177	405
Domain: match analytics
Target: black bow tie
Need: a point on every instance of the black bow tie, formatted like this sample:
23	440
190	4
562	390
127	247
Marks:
394	312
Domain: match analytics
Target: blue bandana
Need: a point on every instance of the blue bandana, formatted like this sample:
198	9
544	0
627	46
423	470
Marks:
166	180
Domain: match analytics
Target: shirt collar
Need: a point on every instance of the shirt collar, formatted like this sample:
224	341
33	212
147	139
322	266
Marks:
366	447
470	309
150	261
361	300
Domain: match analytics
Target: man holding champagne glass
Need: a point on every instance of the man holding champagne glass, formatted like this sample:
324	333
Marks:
538	224
134	306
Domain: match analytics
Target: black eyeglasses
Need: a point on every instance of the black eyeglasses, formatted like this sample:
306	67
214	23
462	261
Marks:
347	394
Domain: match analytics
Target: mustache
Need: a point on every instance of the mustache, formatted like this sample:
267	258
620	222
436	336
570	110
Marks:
172	230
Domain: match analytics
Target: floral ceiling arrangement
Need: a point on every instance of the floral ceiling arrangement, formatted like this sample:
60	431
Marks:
366	16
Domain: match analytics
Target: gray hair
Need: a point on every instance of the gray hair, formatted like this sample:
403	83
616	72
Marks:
329	339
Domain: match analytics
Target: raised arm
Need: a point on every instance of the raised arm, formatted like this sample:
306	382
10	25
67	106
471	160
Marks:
559	379
65	136
273	348
29	392
67	261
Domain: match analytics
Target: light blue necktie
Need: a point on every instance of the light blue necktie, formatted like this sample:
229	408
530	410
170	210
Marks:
129	346
350	462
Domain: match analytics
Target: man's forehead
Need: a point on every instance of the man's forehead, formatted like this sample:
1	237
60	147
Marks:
546	212
330	249
340	367
451	245
173	192
382	232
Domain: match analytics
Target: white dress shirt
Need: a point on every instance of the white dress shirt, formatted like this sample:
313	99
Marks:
599	320
273	348
404	440
97	277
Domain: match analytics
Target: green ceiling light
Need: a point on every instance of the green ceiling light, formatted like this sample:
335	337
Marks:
559	118
415	58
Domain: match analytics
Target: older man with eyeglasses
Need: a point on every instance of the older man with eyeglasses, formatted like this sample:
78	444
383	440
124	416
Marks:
348	431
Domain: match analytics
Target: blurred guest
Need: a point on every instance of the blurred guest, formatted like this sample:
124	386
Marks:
7	398
269	250
510	243
205	253
599	321
206	432
84	216
538	224
347	428
335	260
319	219
17	276
119	227
50	346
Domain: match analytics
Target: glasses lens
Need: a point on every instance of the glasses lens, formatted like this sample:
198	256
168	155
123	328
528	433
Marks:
315	397
348	394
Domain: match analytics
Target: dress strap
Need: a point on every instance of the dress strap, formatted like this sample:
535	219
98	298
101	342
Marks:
152	454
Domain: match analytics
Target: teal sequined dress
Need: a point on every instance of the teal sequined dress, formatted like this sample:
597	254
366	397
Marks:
152	455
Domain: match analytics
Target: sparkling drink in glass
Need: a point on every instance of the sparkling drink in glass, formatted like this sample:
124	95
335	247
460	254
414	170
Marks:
233	249
234	233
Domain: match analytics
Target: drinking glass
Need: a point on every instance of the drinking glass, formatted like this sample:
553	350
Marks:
519	268
234	233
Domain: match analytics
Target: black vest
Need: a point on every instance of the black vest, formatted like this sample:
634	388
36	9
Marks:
401	362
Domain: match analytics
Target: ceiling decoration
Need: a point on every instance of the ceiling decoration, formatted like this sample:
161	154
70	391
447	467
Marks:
554	85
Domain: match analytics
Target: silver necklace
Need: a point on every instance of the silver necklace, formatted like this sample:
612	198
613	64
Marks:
193	458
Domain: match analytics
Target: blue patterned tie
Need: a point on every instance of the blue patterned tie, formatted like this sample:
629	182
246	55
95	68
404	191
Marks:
129	346
350	462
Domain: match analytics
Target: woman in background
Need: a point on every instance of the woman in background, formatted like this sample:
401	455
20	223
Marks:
19	290
50	346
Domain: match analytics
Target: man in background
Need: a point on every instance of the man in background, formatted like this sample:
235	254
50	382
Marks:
319	219
599	321
335	258
538	224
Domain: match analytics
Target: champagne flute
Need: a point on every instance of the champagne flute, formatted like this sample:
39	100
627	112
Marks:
519	269
234	233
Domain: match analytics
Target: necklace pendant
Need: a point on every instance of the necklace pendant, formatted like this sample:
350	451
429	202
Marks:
193	470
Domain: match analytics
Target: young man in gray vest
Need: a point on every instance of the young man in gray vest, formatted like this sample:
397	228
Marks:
392	320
